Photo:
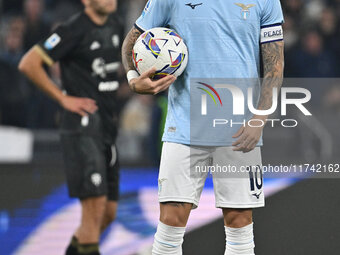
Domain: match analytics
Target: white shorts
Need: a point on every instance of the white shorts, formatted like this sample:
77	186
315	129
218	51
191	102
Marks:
184	169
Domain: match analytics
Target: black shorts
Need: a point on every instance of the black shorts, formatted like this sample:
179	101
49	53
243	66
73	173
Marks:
91	167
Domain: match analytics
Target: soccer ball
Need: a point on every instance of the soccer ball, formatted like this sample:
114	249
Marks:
162	48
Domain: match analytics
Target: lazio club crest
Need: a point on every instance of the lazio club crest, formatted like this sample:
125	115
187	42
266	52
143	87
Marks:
245	12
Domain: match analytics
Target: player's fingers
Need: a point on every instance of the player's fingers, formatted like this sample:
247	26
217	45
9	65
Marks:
238	142
149	72
89	105
90	100
239	132
162	88
169	79
246	143
240	148
247	150
81	112
253	144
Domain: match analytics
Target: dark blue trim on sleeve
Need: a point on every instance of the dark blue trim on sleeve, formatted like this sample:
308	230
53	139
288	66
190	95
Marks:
140	30
279	40
273	25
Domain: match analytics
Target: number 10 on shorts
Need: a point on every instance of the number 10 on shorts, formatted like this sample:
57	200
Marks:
255	179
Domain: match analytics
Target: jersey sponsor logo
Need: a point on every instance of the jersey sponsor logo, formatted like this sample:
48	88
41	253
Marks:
115	41
96	179
108	86
245	12
101	69
193	6
271	34
95	45
52	41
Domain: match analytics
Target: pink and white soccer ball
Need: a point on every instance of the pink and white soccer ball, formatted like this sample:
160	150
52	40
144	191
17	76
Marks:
162	48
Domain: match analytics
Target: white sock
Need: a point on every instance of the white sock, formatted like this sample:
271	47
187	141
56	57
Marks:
239	240
168	240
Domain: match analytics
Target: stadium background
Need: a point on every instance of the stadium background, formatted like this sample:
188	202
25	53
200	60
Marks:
36	216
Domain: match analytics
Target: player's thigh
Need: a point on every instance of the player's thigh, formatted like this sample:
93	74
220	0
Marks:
238	180
177	182
85	166
113	173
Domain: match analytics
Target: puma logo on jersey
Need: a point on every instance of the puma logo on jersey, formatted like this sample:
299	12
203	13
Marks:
193	6
95	45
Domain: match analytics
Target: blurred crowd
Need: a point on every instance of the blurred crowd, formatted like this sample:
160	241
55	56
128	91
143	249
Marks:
312	39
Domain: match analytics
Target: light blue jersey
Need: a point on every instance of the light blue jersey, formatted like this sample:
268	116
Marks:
223	39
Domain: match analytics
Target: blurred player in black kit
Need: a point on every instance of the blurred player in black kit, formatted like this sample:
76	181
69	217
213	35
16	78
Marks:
88	50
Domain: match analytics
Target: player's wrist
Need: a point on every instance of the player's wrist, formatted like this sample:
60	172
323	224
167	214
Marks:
132	74
132	84
263	118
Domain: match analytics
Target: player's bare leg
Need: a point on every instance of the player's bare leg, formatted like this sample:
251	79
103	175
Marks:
175	214
88	233
171	228
109	214
239	231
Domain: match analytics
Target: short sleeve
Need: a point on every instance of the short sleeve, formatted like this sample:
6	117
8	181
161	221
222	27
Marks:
155	14
58	44
272	13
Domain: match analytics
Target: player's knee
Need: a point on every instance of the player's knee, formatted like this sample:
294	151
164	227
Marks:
174	215
172	220
238	218
240	222
110	216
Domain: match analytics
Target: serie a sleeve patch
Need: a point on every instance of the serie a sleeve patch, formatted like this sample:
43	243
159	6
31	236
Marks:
271	33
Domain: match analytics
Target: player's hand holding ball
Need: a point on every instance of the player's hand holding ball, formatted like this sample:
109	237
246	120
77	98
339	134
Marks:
144	84
159	56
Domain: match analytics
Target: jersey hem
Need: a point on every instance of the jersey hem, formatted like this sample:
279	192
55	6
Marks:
179	199
249	205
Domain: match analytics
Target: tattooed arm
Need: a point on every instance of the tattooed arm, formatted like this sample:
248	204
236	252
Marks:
127	47
273	63
142	84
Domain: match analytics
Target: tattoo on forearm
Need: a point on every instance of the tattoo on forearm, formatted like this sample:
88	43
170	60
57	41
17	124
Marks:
273	64
127	47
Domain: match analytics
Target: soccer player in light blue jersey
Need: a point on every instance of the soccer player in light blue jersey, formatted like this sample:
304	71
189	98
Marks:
225	40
